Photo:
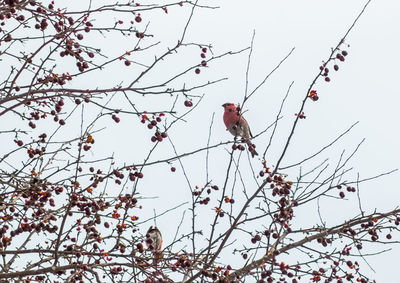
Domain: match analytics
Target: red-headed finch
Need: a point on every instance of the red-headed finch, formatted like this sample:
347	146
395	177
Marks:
238	126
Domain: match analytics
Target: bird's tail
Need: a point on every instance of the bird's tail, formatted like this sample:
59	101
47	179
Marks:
252	148
158	255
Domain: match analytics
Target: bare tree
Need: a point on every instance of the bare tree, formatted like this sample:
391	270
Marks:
68	214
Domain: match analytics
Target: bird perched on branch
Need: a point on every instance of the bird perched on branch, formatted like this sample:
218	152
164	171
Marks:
238	126
154	242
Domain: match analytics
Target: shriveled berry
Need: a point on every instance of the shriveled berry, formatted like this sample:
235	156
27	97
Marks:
314	97
188	103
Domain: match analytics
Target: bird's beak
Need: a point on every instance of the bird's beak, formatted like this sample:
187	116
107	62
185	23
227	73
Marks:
223	105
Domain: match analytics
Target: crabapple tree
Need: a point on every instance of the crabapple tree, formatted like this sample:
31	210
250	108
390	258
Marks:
78	77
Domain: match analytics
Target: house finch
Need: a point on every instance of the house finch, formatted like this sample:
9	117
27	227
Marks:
154	242
238	126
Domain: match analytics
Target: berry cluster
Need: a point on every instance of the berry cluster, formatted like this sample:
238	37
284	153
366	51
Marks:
198	192
86	143
340	55
153	123
203	62
348	188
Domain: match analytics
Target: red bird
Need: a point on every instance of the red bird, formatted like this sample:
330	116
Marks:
238	126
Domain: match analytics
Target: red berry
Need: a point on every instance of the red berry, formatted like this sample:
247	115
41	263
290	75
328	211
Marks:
139	34
80	36
62	122
344	53
197	71
341	194
127	62
20	143
188	103
138	19
203	55
327	79
336	67
173	169
203	63
115	118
